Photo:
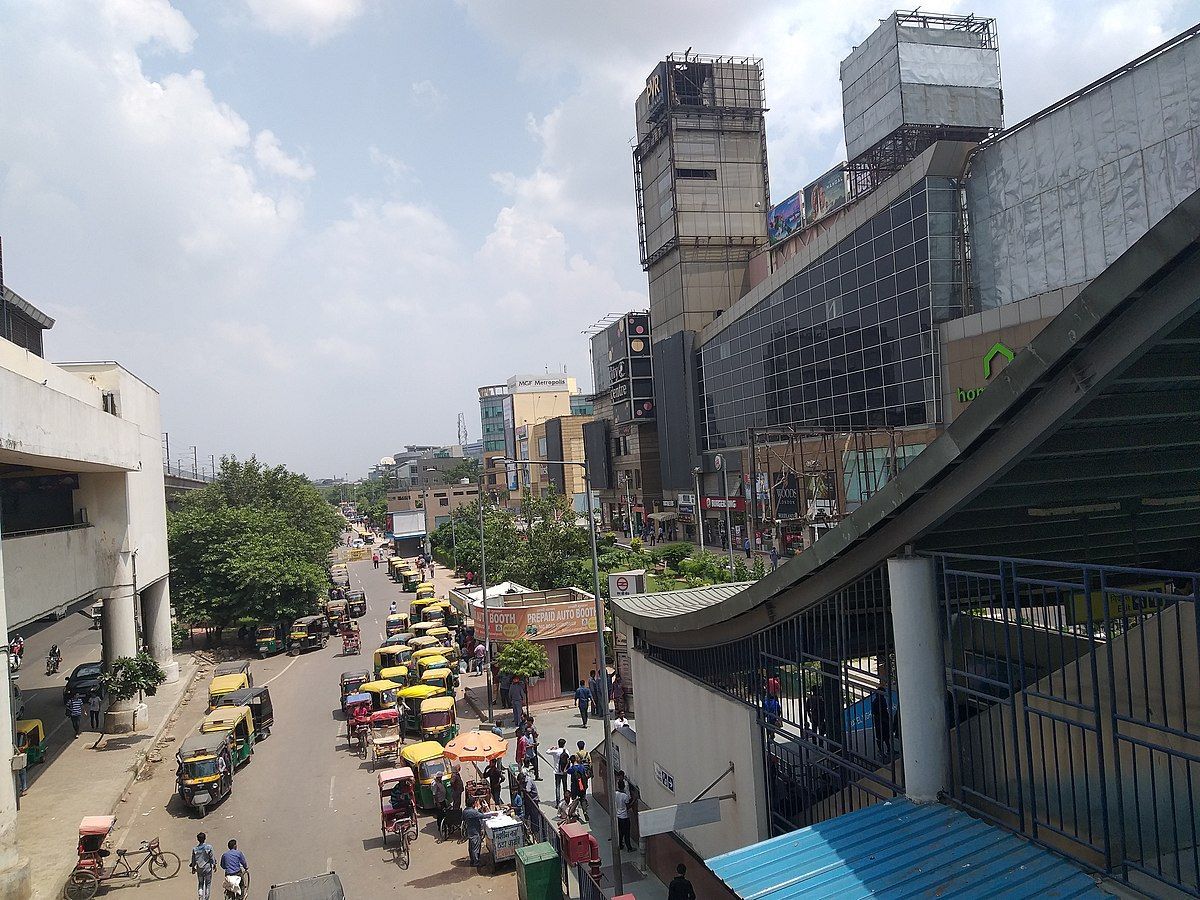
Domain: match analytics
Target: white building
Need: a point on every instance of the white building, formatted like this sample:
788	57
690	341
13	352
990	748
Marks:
82	513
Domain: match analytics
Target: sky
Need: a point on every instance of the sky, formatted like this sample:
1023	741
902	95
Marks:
317	226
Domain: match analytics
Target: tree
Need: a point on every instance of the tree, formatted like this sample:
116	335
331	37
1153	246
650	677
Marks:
251	545
462	532
554	543
129	676
525	658
469	469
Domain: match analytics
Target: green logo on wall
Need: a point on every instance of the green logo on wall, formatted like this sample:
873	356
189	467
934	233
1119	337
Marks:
966	395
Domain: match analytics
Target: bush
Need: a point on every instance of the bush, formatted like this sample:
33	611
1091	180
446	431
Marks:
636	545
525	658
674	554
131	675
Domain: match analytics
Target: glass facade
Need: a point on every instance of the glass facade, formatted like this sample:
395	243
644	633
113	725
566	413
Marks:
849	342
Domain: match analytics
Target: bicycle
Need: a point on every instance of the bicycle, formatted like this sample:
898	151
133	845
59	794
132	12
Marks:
85	880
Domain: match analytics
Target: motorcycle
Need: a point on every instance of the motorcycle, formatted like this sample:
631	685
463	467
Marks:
53	661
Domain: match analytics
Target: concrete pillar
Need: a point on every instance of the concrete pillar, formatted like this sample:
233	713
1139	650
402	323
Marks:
14	868
921	676
156	626
118	632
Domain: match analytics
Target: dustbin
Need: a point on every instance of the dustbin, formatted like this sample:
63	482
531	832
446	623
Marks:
539	876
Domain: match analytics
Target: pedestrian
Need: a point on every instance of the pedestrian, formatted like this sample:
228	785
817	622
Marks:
520	756
771	710
375	559
495	777
560	757
505	686
881	717
494	665
516	697
472	821
621	799
774	559
531	747
456	787
680	888
595	687
234	864
617	695
203	863
478	654
94	711
440	796
583	699
815	711
75	711
746	546
580	755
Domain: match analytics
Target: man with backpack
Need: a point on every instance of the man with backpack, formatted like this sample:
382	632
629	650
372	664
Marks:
560	757
578	776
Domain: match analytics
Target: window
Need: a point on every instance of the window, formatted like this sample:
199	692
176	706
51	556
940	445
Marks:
443	501
697	174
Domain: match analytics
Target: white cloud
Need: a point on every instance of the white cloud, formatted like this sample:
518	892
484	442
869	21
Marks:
272	158
428	94
393	165
313	20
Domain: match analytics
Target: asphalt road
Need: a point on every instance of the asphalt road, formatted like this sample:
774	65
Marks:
303	804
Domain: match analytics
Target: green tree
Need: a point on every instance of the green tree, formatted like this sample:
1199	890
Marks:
469	469
552	547
251	545
129	676
524	658
463	532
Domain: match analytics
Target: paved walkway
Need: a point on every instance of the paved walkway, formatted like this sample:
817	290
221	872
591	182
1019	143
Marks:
87	778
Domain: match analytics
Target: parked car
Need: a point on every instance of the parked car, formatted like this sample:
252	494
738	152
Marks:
85	679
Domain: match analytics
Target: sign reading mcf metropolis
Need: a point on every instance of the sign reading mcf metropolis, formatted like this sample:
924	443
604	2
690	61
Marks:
528	384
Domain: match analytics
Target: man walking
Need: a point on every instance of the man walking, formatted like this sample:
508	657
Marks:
94	711
75	711
375	560
621	798
560	756
746	546
583	699
531	748
597	688
203	863
774	559
516	696
680	888
233	863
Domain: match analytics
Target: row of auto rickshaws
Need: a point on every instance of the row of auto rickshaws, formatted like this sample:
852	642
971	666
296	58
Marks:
239	715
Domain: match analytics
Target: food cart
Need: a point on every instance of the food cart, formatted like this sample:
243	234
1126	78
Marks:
502	836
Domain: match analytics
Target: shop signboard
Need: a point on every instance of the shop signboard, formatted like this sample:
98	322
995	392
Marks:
545	620
737	504
686	505
786	495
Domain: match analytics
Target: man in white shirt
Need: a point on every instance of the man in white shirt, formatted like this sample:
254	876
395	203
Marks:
622	800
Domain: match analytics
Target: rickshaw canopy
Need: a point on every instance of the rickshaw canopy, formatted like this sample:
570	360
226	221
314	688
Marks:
30	727
398	674
429	651
475	746
439	675
390	776
361	676
223	684
378	686
423	642
438	631
208	743
421	752
353	700
437	704
224	718
384	717
97	824
399	640
416	693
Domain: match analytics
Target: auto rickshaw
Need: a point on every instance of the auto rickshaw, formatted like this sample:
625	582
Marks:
426	760
31	740
425	642
201	778
422	629
444	635
416	609
386	657
394	624
395	566
335	611
225	684
236	719
236	667
438	720
316	887
409	579
398	674
268	640
384	735
358	714
398	640
431	658
383	693
350	682
356	604
440	678
392	820
308	633
411	699
426	589
435	612
258	701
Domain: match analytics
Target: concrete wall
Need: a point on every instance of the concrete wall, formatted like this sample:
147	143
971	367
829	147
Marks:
694	732
49	570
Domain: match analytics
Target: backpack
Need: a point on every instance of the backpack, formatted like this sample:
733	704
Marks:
564	760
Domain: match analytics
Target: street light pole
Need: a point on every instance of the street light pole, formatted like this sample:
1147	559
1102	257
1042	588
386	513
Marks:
602	655
487	623
699	506
720	461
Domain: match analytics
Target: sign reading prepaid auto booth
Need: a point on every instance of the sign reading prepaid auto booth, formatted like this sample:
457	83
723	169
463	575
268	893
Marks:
547	620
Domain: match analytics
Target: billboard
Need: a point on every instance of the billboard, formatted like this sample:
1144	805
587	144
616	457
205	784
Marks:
785	493
825	195
545	620
786	218
408	523
525	384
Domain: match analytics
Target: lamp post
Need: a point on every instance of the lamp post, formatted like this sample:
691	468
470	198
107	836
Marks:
603	660
487	622
719	461
425	508
696	472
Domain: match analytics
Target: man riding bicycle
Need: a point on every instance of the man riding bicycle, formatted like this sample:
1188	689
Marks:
236	869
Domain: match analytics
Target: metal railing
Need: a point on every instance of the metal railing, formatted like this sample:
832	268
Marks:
35	531
188	474
589	889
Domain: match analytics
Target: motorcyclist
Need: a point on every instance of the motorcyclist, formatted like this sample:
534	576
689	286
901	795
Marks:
53	659
236	869
15	649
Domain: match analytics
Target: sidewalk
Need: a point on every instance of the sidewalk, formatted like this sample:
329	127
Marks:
82	779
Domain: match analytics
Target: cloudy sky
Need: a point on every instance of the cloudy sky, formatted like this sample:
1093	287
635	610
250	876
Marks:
316	226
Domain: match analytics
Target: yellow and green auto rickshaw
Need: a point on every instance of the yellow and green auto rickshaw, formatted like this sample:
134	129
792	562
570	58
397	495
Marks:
409	579
386	657
435	612
444	635
422	629
426	760
416	609
308	633
205	772
440	678
226	684
426	589
240	721
394	624
431	658
398	674
382	692
438	720
398	640
268	640
411	698
396	565
31	740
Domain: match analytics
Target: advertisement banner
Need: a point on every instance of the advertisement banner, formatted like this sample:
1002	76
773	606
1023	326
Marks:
737	504
786	218
786	494
546	620
825	195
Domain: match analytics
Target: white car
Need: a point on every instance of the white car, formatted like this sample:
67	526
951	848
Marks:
357	543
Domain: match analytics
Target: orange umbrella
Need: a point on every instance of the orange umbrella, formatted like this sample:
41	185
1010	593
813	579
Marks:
476	746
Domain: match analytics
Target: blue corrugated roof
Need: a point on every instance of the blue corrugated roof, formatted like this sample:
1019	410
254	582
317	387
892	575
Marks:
900	849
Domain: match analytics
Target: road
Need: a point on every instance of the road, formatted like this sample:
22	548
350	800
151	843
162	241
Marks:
304	804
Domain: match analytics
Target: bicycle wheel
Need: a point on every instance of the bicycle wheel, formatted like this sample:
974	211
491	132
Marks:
165	864
402	851
81	885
